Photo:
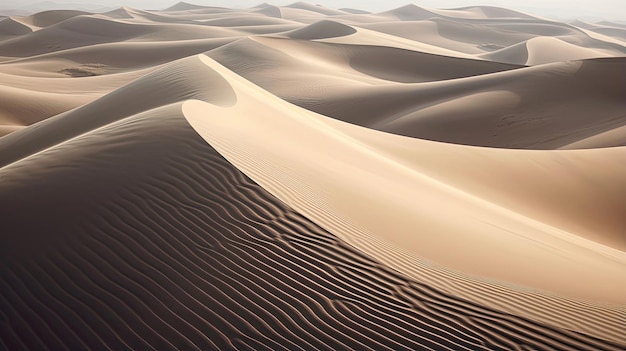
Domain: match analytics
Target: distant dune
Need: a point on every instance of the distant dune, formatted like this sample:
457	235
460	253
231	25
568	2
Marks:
307	178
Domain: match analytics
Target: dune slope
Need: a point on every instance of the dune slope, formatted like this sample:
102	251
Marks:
191	254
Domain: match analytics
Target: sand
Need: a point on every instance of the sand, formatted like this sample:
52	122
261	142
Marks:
302	177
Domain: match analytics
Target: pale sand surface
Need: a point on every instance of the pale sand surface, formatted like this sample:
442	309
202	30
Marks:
372	165
302	177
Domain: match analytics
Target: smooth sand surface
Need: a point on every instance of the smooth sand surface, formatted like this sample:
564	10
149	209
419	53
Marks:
301	177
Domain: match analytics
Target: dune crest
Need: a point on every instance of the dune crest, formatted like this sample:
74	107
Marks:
185	6
322	30
10	28
410	12
336	196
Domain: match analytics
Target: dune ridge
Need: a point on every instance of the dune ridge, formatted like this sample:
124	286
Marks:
10	28
219	131
527	106
299	177
281	266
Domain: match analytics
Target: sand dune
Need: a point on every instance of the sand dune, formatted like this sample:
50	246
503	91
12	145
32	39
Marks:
611	138
409	12
269	10
88	31
322	30
219	132
26	100
185	6
120	57
522	113
486	12
158	88
414	12
248	21
74	32
10	28
294	12
48	18
234	262
299	177
19	107
614	30
545	50
122	12
470	39
316	8
355	11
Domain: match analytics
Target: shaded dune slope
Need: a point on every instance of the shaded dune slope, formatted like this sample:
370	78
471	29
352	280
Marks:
619	33
409	12
511	32
331	165
185	6
181	80
269	10
74	32
372	62
117	57
498	105
10	28
541	50
536	108
52	95
119	13
316	8
188	253
82	31
17	108
322	29
48	18
611	138
496	12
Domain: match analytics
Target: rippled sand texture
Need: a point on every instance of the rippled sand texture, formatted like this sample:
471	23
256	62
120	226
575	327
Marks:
303	178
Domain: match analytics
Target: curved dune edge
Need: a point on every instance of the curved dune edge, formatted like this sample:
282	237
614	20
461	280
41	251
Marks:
321	30
280	146
461	104
363	36
616	136
188	253
165	245
542	50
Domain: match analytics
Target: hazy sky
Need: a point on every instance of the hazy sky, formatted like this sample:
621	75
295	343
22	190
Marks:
606	9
